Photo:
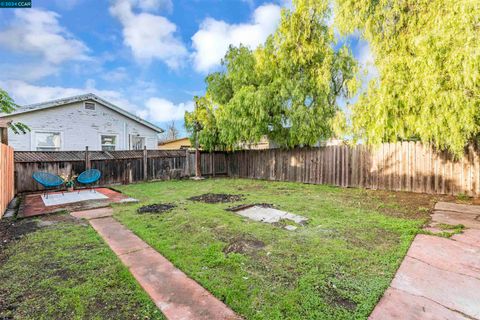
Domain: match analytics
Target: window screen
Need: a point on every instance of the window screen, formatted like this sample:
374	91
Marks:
48	141
108	142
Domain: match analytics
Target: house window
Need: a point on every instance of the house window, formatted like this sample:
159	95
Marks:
109	142
89	105
137	143
48	141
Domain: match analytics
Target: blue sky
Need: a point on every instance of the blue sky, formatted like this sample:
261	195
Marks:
147	56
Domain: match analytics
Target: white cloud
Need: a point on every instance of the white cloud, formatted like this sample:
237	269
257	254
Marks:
115	75
155	109
212	40
27	71
149	36
38	31
155	5
161	110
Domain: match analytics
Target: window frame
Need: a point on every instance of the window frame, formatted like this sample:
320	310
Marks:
130	141
89	102
34	141
116	145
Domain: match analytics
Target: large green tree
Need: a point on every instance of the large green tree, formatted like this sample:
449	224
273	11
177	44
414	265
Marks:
287	89
427	53
7	106
201	124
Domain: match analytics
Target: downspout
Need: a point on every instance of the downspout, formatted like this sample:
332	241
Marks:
125	136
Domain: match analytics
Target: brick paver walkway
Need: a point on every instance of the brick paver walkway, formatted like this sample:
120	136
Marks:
176	295
439	278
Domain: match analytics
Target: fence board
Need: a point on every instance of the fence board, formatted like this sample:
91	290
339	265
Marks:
117	167
7	190
406	166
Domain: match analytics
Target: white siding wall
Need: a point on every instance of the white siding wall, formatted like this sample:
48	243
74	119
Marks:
80	127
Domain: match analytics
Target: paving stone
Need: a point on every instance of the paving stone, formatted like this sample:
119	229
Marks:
469	236
178	296
120	239
463	208
397	304
452	290
447	255
93	214
450	217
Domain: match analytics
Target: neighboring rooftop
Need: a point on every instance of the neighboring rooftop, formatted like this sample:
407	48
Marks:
173	140
81	98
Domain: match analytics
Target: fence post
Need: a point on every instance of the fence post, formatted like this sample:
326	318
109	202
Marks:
212	163
87	159
145	173
187	162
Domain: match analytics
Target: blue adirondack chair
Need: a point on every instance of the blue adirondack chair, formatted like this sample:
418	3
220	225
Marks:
48	181
89	177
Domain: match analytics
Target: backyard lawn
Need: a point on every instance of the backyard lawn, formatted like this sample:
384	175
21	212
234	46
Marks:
335	267
57	267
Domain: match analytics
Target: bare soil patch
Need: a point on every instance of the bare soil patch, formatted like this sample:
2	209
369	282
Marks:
156	208
407	205
11	230
243	245
217	198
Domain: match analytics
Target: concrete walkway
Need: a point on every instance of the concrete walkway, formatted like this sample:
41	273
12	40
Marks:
176	295
439	278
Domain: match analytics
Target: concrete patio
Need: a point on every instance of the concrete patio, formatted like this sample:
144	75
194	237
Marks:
37	204
439	277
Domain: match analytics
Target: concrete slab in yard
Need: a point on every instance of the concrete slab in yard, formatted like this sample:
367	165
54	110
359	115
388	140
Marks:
439	277
121	240
176	295
397	304
469	236
451	217
269	215
447	255
56	199
452	290
93	214
463	208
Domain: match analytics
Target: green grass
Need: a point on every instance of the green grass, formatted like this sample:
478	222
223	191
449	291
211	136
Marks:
63	270
335	267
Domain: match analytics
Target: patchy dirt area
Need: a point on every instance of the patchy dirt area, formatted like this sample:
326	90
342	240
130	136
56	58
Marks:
399	204
156	208
217	198
42	259
243	245
11	230
245	206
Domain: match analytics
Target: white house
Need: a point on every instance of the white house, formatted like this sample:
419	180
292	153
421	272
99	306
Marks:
76	122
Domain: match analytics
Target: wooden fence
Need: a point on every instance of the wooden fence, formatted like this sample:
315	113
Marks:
406	166
117	167
7	190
